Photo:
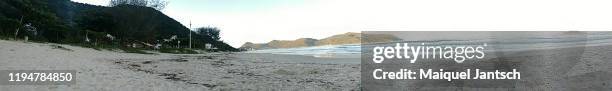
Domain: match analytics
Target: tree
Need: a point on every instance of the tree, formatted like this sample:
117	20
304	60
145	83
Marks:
114	3
156	4
211	33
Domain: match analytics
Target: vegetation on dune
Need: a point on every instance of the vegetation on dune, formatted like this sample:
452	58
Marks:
130	25
16	14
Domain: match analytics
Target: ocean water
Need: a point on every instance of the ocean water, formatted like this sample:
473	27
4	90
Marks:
327	51
503	43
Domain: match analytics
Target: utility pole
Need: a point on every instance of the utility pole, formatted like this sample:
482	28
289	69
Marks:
189	34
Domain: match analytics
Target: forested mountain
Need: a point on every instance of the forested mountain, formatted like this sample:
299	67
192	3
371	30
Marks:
64	21
339	39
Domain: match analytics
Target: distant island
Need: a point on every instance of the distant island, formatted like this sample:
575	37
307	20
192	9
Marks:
340	39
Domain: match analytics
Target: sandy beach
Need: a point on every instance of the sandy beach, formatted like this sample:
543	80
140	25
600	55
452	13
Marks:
104	70
574	68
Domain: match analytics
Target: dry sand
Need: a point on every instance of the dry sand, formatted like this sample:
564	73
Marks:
115	71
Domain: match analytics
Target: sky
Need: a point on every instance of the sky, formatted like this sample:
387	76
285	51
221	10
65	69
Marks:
262	21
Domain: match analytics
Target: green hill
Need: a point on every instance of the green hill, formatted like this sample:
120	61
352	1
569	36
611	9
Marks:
64	21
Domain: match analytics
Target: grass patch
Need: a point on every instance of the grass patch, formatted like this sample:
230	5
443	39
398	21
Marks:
4	38
177	51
